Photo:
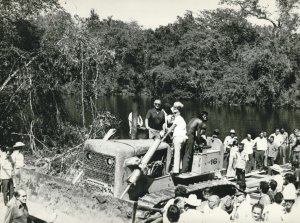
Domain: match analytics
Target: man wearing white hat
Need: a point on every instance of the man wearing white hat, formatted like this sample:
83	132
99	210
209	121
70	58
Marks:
227	147
229	140
290	214
18	159
276	170
192	215
179	137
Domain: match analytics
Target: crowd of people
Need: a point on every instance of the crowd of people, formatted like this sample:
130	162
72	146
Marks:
277	203
168	125
240	157
278	200
263	151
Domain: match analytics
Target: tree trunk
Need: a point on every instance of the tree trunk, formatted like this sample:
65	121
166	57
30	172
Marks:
135	116
82	87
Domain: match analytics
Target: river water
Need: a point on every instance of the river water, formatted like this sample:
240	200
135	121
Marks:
244	119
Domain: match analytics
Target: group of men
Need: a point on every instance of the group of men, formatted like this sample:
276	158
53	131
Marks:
261	152
278	203
162	123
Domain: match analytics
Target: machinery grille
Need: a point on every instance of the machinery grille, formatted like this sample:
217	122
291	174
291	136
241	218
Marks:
99	167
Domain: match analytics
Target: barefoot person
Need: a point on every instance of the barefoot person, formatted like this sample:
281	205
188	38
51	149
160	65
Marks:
194	128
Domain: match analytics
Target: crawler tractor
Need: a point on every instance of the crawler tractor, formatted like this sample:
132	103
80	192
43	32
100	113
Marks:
134	171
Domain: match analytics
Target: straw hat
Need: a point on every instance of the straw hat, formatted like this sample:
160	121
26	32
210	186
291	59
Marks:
232	131
277	168
19	144
192	200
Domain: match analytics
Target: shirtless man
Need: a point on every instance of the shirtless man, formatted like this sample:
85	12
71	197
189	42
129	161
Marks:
193	127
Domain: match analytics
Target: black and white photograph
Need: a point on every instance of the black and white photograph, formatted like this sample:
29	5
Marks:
149	111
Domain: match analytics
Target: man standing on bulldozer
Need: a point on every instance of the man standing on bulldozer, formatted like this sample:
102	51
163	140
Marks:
179	136
155	120
194	129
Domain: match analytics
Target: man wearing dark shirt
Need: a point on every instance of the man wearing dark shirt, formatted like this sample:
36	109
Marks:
264	197
17	211
195	125
155	120
272	151
295	167
295	150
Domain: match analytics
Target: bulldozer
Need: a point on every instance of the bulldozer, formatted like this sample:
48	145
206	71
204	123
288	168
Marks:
134	171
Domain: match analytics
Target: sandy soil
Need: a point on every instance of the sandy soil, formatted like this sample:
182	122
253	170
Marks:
71	205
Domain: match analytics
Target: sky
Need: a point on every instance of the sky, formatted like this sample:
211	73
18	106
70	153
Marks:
148	13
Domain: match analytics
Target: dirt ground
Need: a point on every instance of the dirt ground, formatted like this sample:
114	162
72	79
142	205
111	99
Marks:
71	205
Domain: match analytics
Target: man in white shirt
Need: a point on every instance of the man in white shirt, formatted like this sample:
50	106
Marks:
290	214
241	159
192	215
227	147
261	144
18	160
243	210
229	140
216	214
139	124
274	212
290	187
277	137
276	170
179	137
248	148
7	167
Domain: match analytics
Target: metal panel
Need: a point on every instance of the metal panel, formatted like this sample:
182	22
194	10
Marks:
207	162
161	183
197	163
97	167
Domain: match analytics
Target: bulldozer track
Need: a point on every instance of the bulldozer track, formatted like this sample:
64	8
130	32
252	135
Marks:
159	198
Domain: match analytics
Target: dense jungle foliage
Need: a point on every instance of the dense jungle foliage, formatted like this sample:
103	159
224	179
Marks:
215	55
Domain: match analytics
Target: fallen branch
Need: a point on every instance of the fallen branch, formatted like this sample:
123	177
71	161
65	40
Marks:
61	155
14	74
